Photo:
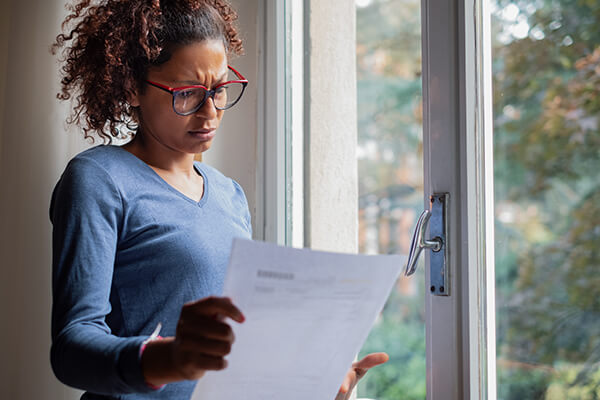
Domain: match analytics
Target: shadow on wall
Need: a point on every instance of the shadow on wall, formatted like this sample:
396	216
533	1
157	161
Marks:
35	145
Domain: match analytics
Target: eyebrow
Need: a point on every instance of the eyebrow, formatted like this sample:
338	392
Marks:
193	83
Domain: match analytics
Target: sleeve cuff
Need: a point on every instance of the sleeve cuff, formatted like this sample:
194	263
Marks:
142	348
131	366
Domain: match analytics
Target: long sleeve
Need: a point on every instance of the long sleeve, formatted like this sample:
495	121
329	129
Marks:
87	212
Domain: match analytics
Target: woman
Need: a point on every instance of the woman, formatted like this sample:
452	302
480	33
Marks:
142	232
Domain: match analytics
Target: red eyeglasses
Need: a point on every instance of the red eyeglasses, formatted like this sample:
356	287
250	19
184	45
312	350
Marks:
189	99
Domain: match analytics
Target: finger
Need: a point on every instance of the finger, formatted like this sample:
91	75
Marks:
192	364
202	327
210	362
209	347
370	361
341	396
348	382
360	368
215	306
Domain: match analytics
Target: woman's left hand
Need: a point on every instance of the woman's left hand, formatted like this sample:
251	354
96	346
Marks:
357	371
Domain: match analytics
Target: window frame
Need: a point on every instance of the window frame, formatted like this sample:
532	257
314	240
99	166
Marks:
460	328
306	140
280	161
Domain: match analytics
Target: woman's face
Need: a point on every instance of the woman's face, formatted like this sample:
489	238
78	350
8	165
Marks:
203	63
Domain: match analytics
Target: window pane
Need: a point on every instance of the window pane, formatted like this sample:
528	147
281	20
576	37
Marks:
547	157
390	169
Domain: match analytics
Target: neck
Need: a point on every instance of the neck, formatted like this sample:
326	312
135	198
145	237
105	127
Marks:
159	156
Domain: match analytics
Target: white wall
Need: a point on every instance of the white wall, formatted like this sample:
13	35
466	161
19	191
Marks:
234	149
34	148
331	203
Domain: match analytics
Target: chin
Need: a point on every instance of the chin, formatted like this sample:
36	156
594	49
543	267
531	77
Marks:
201	148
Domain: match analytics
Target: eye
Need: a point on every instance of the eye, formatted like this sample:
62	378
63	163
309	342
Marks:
187	93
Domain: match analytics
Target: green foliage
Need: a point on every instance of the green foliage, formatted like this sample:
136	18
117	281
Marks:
546	104
390	170
400	332
525	383
547	151
389	90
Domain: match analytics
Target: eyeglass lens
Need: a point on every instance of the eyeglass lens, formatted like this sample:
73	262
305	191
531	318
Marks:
190	100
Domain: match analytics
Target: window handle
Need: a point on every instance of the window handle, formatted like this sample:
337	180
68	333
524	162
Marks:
438	244
419	243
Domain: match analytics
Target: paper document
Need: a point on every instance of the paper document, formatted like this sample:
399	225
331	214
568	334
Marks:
308	314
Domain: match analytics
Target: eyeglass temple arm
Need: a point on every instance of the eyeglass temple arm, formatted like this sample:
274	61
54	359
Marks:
235	71
170	89
159	86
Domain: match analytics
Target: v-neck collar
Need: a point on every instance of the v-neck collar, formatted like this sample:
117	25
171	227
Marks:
168	186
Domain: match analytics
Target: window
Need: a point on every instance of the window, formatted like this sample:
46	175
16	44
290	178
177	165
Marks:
390	181
519	163
457	338
547	141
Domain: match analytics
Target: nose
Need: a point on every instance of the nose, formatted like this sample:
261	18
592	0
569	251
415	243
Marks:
208	109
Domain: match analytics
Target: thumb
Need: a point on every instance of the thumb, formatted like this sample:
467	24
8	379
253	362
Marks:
370	361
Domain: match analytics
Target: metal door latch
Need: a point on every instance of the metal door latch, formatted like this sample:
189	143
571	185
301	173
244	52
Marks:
436	219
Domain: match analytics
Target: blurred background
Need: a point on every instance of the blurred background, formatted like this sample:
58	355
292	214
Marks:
546	102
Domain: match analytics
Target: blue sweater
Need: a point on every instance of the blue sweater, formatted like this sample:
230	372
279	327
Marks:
128	251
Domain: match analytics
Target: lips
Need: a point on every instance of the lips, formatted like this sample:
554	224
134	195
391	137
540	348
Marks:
203	134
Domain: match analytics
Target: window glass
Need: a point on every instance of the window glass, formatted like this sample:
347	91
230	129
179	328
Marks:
390	168
546	60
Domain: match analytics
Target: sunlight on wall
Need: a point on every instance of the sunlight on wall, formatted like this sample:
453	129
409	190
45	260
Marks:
35	145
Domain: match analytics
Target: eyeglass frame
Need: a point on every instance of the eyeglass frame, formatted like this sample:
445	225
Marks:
208	92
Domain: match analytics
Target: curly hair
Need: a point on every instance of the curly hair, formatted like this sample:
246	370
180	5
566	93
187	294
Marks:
114	42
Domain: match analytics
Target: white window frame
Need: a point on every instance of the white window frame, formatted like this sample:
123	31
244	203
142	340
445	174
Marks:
281	123
270	212
460	328
307	140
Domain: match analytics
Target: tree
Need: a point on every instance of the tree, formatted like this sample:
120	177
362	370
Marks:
547	142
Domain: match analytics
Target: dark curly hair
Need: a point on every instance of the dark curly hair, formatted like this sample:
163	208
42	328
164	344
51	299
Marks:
114	42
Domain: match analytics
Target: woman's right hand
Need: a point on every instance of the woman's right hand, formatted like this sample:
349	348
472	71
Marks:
201	342
203	339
